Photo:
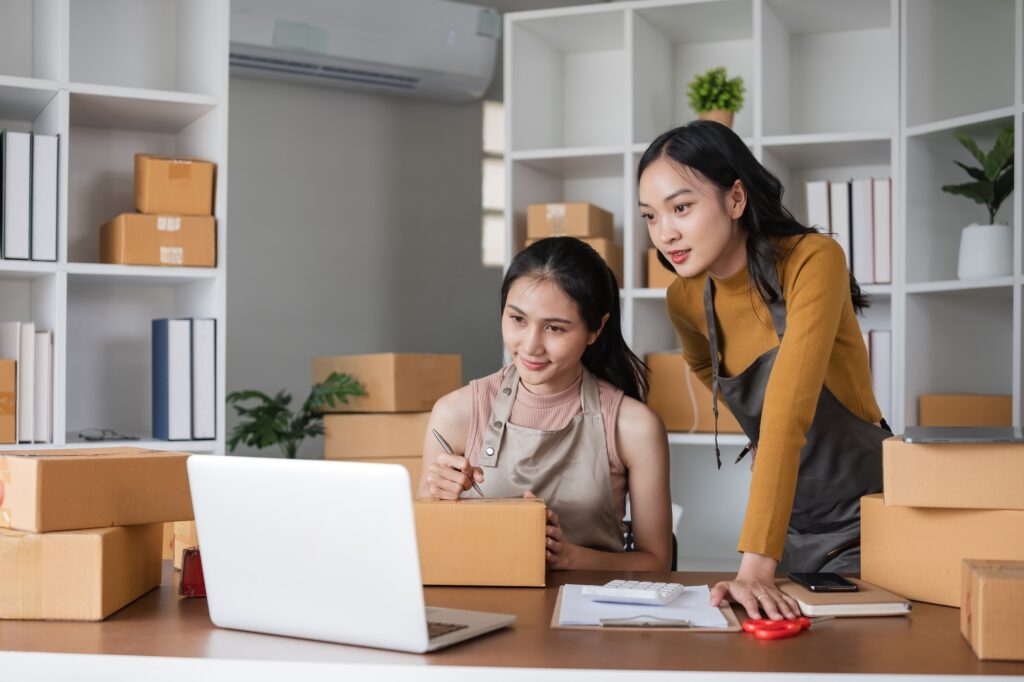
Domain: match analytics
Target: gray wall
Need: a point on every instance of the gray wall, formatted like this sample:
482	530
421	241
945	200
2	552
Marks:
354	228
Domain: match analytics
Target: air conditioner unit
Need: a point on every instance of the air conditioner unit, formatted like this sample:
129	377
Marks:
427	48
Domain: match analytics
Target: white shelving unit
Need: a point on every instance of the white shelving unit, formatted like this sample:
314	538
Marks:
835	90
112	78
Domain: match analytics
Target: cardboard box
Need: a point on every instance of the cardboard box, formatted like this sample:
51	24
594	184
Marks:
917	552
393	382
8	400
168	542
185	536
77	575
178	186
607	248
657	276
494	542
965	410
669	396
567	220
992	616
361	436
70	489
137	239
963	476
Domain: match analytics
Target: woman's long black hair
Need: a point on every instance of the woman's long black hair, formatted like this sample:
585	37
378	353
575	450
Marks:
582	274
718	154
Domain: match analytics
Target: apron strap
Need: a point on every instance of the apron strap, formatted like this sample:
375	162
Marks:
590	394
501	408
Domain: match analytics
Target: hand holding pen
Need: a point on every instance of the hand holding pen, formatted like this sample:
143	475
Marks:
450	473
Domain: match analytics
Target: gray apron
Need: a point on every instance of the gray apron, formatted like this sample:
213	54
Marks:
568	468
840	462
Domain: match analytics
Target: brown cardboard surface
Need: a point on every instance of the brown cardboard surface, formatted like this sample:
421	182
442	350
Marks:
8	401
607	248
966	476
185	536
51	490
670	397
495	542
393	382
917	552
77	575
965	410
657	276
577	219
180	186
359	436
172	240
992	615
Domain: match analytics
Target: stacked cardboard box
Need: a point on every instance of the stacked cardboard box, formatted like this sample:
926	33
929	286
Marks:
965	410
81	529
389	423
584	221
943	503
174	225
992	615
682	400
657	276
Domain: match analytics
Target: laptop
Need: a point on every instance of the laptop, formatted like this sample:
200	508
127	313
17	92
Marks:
319	550
963	434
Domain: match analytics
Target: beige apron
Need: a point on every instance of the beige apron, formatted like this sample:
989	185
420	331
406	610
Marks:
568	468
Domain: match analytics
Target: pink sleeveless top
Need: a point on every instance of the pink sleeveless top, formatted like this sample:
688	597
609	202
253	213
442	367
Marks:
550	413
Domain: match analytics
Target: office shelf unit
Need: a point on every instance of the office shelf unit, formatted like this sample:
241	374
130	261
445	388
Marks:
835	91
112	78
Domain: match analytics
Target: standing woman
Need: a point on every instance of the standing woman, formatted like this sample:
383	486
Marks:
766	311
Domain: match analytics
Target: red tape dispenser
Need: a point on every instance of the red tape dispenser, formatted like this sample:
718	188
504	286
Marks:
192	583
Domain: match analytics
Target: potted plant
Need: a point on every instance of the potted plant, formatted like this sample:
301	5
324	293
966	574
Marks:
986	250
715	96
269	421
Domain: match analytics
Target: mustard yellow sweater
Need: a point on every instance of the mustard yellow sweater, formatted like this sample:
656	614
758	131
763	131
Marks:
822	345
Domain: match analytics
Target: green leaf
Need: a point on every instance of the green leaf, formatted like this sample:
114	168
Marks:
1001	154
980	192
971	146
975	173
1002	188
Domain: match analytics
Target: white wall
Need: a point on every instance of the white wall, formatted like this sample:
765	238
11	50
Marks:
354	228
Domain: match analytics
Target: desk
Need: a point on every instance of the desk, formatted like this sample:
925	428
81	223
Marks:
161	636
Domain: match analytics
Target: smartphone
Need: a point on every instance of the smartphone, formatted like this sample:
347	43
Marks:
823	582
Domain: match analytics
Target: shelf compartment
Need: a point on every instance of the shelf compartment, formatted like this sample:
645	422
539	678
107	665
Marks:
139	275
674	44
159	111
565	69
72	440
29	39
24	99
959	58
850	149
956	285
651	315
828	66
30	296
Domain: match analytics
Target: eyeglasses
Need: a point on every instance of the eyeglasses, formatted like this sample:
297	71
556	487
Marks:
104	434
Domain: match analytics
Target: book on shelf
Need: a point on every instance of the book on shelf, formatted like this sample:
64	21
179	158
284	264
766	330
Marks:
818	210
882	201
185	379
862	230
15	206
43	408
44	197
839	216
204	379
17	342
858	214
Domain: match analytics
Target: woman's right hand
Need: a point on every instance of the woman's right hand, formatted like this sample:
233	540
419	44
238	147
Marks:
450	475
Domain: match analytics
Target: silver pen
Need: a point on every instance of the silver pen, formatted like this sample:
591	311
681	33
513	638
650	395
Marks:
448	449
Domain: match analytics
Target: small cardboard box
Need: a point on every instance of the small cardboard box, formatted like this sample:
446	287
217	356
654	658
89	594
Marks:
361	436
50	490
77	575
138	239
965	410
917	552
8	400
185	536
393	382
607	248
657	276
669	396
567	220
178	186
955	475
493	542
992	615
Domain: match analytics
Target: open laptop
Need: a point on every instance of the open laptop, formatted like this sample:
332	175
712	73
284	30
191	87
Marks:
319	550
963	434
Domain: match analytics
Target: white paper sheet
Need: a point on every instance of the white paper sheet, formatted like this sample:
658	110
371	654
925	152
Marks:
693	605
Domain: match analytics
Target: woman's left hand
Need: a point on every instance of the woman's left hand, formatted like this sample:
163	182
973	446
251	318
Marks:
754	588
556	552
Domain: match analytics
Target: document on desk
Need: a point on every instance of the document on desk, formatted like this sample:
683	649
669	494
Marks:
692	606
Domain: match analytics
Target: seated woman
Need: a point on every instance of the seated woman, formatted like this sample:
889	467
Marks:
564	421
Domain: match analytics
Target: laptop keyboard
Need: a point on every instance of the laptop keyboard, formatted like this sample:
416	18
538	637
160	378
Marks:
438	629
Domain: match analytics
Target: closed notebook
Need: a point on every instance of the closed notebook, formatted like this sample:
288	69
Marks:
869	600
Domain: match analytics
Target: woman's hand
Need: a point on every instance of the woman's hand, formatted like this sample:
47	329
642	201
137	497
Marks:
449	475
558	554
754	588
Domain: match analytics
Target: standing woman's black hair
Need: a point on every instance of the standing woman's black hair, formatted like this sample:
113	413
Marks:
582	274
718	154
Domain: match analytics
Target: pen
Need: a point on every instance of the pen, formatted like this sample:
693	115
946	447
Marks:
448	449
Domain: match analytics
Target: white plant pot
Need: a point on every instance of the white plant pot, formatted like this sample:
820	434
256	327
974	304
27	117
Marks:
985	251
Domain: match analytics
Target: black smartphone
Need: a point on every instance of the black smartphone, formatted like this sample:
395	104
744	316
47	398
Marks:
823	582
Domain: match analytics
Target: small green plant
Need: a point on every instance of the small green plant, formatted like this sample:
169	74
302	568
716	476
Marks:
270	421
993	182
715	90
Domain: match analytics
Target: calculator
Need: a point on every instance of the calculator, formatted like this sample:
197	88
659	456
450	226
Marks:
634	592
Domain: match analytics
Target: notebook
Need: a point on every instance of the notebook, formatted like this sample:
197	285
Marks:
869	600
